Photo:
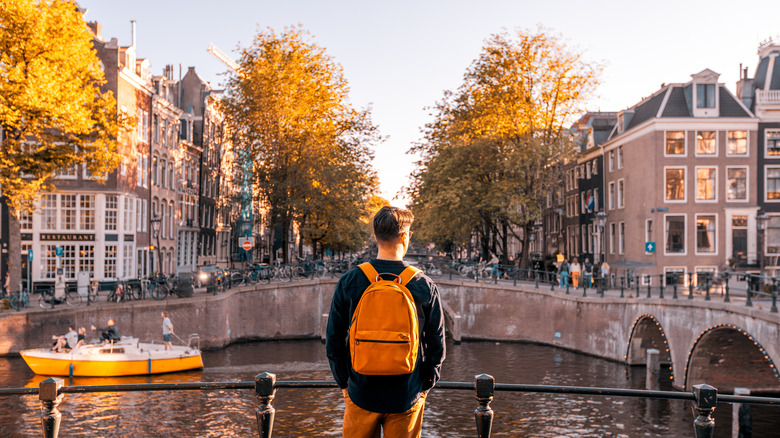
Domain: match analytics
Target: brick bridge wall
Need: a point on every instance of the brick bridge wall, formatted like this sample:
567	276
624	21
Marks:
613	328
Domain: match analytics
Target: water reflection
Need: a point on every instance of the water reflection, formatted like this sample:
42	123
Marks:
318	412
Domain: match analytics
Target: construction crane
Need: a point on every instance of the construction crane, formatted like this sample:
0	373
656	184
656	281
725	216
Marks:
224	57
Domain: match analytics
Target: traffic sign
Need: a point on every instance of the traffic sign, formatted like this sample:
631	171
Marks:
29	255
649	246
58	251
246	243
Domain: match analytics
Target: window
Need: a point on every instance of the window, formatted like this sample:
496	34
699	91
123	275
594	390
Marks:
620	194
595	199
611	195
620	157
127	261
588	170
649	232
25	220
155	173
675	143
48	261
773	235
128	214
68	211
705	95
622	238
773	143
705	183
705	275
144	215
736	187
675	234
612	233
705	143
705	234
68	261
49	212
773	183
112	209
675	275
87	259
109	262
737	143
138	226
87	212
611	161
675	184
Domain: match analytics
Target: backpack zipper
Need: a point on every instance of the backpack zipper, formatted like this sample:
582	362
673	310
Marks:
376	341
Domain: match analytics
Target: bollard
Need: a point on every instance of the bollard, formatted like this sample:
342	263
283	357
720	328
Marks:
661	285
748	293
706	399
649	283
568	280
774	296
514	277
674	287
485	386
742	417
653	372
637	287
707	293
726	298
264	388
536	276
622	284
584	287
552	282
48	394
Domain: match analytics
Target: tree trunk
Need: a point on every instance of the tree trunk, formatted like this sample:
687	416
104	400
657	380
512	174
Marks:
14	250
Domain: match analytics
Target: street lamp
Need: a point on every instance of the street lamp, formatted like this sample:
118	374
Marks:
601	221
761	223
156	221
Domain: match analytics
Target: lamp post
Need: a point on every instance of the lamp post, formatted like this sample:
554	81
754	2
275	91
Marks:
761	223
601	220
156	221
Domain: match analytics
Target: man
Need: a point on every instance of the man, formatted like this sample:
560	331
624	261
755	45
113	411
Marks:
68	340
167	328
110	333
389	403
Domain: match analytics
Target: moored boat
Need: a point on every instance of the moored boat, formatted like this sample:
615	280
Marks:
127	357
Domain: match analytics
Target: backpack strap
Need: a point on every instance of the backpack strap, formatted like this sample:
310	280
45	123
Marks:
405	276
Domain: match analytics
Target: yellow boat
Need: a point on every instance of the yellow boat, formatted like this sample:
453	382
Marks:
127	357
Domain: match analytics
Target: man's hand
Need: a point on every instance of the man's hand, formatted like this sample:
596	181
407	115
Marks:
345	392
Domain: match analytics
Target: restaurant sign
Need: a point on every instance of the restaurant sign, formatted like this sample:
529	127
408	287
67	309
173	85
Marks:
68	236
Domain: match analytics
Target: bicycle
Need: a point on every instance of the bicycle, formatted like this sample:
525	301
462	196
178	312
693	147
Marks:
118	294
159	287
20	300
47	300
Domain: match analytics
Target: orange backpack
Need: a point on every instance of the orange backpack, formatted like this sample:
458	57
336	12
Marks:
384	335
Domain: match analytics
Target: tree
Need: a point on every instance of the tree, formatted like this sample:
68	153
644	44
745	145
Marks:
53	114
287	108
496	146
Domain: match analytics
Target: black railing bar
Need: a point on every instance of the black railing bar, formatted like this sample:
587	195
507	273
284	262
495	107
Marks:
642	393
19	391
184	386
748	399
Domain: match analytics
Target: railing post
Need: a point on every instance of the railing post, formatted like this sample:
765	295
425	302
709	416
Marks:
264	388
585	286
622	284
674	287
485	386
514	276
568	280
707	293
661	285
553	280
48	394
649	285
774	296
706	399
726	298
748	296
637	286
690	286
536	275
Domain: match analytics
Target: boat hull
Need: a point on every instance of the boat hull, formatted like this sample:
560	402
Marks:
119	360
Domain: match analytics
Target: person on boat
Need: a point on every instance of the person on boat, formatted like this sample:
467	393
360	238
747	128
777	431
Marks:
110	333
82	336
167	331
68	340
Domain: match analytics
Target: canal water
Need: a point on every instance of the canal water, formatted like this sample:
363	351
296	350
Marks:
318	412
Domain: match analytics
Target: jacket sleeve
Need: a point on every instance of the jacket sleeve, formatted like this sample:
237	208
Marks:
336	336
434	339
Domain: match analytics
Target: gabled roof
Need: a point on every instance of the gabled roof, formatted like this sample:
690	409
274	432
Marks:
729	107
677	105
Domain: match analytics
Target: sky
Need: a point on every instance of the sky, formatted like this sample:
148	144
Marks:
400	56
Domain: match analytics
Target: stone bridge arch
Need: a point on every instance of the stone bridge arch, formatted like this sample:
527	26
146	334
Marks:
647	333
726	356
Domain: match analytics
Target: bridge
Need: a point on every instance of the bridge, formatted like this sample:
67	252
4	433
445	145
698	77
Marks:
724	344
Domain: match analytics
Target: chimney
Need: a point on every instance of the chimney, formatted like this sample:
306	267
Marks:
132	33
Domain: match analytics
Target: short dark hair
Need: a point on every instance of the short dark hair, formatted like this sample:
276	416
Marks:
390	222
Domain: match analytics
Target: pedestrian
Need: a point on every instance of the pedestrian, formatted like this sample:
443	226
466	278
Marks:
563	274
605	275
587	269
391	403
493	263
167	326
576	269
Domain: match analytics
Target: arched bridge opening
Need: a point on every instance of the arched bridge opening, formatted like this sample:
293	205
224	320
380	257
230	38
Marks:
728	357
647	333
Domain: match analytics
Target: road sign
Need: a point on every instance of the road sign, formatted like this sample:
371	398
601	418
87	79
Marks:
246	243
649	246
58	251
29	255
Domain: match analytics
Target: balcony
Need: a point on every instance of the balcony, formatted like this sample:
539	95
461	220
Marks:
768	97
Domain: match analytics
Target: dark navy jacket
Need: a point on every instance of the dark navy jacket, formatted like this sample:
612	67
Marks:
386	394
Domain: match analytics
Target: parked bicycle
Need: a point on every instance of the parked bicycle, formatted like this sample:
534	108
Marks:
47	300
20	300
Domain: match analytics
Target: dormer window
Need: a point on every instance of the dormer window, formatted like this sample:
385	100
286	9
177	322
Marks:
705	95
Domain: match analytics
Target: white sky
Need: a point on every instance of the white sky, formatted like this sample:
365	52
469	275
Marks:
400	56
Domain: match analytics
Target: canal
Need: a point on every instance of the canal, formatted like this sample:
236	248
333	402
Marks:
317	412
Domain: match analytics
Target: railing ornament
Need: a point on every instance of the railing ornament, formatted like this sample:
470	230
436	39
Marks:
485	386
265	389
50	397
706	398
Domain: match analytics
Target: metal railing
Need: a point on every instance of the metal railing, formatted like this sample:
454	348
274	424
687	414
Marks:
704	397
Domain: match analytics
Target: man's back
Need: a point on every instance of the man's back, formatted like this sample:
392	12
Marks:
386	394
